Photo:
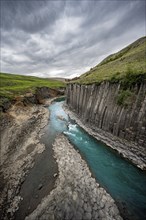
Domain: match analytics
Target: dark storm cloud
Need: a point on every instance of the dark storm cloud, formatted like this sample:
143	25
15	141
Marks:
65	38
29	16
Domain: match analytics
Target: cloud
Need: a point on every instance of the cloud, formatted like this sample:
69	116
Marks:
65	38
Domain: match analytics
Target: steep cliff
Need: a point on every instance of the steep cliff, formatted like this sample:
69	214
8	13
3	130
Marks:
110	99
99	107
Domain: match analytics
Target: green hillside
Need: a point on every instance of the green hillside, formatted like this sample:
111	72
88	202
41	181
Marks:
130	60
12	85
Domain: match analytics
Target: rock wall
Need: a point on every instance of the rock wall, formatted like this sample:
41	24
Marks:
96	105
40	95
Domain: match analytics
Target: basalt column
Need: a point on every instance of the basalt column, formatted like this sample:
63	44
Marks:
97	106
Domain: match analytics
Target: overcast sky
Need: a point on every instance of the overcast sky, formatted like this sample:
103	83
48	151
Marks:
66	38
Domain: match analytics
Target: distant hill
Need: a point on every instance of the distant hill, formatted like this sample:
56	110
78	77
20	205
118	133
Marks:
12	85
131	59
58	79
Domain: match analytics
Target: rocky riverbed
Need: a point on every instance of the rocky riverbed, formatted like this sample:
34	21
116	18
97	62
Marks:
20	143
129	150
77	195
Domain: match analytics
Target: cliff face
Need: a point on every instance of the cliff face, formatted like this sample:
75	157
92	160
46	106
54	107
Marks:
97	106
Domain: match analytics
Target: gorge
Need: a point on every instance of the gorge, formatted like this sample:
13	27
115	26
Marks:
75	188
80	156
98	108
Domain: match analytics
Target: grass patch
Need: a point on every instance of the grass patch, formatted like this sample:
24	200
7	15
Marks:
12	85
131	78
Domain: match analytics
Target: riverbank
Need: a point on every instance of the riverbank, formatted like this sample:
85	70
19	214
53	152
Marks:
21	130
77	195
130	151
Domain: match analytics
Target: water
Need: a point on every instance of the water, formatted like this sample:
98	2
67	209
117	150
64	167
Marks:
125	183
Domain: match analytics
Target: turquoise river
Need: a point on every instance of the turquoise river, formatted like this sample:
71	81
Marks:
125	183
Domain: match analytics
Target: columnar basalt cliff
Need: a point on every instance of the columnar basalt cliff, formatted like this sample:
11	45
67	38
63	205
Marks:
97	106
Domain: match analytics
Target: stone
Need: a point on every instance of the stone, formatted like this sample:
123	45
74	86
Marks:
85	206
78	216
55	174
40	186
95	207
96	216
87	216
81	203
75	196
101	214
89	209
113	211
102	204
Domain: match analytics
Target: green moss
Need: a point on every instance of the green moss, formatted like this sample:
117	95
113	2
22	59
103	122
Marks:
130	79
114	78
125	97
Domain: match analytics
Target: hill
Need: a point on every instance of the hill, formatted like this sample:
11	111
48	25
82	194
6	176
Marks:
130	60
12	85
59	79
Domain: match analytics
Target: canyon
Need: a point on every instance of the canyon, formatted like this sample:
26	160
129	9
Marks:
97	107
62	157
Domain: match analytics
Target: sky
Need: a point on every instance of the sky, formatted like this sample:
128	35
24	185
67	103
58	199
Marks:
66	38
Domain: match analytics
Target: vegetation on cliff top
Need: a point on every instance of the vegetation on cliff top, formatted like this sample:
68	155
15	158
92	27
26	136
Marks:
12	85
130	60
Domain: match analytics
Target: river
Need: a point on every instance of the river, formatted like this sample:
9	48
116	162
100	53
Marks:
122	180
